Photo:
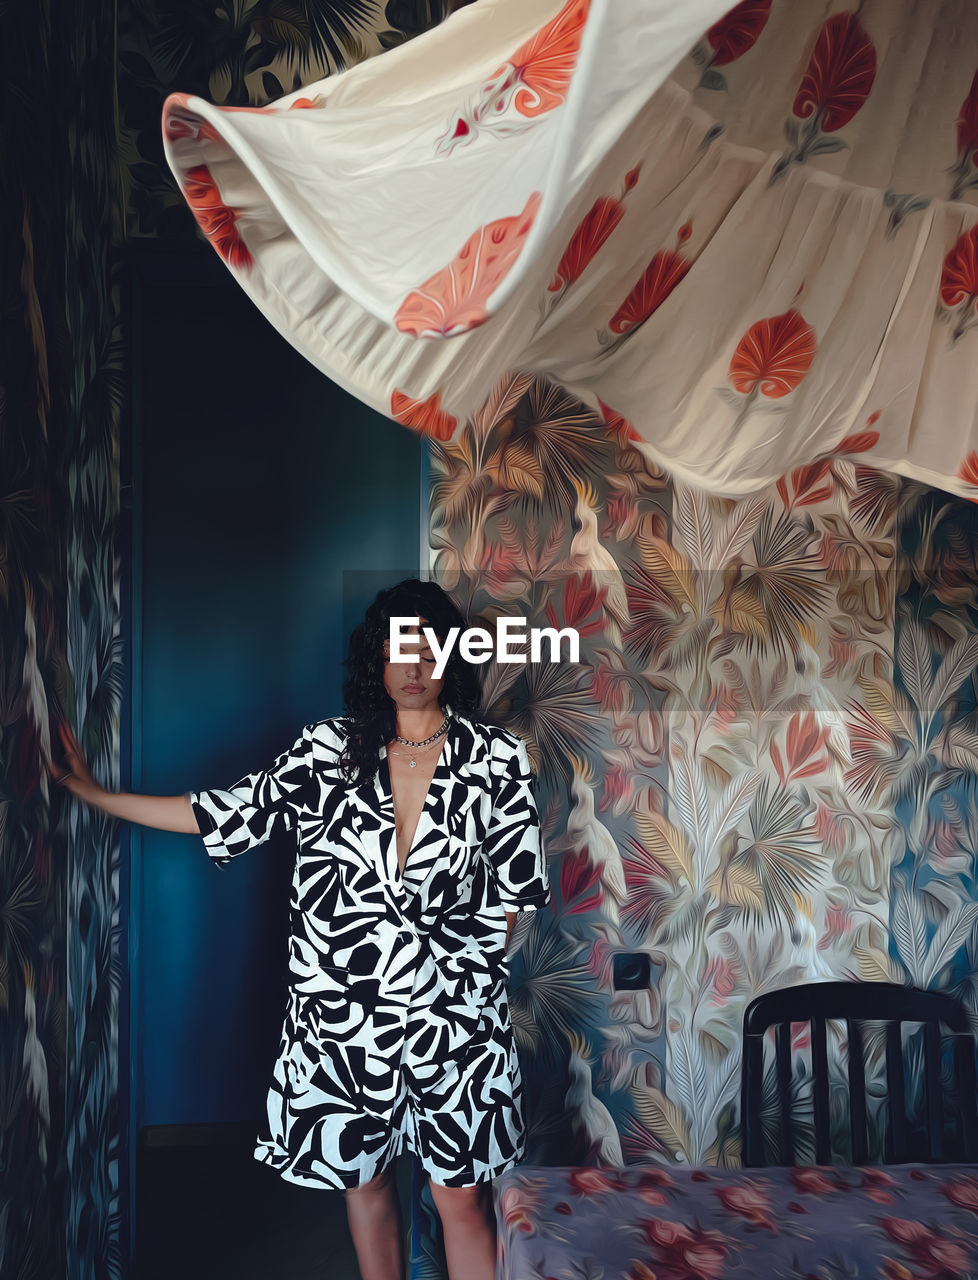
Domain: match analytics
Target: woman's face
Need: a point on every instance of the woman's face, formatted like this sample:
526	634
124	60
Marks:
411	682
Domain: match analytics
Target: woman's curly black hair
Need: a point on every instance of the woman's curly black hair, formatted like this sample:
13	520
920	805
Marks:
372	712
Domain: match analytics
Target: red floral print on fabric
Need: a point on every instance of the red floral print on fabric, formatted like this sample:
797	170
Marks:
532	82
729	39
838	80
657	281
216	220
963	1191
967	121
180	122
686	1253
933	1251
770	360
598	224
959	282
840	73
968	470
424	416
592	1181
737	31
965	173
773	356
749	1199
454	299
590	234
545	63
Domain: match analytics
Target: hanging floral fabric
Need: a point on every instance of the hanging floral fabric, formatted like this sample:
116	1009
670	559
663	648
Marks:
749	238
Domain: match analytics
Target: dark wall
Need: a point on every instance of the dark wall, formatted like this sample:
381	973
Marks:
262	495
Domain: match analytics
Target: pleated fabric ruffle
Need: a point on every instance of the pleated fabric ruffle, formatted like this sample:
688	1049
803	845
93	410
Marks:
749	238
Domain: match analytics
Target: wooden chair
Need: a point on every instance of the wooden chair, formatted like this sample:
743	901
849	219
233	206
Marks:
856	1003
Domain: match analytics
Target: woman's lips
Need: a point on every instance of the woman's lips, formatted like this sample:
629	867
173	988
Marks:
412	688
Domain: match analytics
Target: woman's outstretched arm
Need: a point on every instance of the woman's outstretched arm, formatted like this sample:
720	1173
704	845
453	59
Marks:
165	813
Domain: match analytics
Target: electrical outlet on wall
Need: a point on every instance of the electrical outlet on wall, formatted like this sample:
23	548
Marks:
632	971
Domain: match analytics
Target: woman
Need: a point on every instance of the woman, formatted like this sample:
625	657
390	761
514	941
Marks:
418	841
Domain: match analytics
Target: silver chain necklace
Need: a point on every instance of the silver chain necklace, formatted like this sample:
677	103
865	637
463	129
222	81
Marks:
425	742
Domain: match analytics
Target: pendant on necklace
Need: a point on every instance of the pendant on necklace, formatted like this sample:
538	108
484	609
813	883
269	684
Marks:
412	763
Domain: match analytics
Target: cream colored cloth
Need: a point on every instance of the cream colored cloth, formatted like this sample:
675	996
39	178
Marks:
749	240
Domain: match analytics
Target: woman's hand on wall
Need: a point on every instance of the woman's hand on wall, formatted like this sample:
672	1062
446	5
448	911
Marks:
165	813
71	772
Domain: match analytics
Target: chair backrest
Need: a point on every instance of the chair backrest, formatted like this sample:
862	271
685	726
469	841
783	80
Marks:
856	1003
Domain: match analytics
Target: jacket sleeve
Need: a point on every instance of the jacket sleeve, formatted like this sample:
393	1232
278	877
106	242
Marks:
234	820
512	841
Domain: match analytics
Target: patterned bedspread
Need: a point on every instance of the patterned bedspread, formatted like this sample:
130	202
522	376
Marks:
904	1222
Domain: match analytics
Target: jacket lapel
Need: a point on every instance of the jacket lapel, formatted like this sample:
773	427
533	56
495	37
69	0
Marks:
373	814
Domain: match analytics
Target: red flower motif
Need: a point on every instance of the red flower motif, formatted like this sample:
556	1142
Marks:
813	1181
216	220
959	278
453	300
721	976
587	1181
545	63
610	690
725	703
737	31
618	426
686	1253
597	225
968	470
617	788
582	600
773	355
424	416
967	121
803	748
656	283
751	1201
837	925
840	73
806	481
580	883
861	441
934	1253
621	516
963	1192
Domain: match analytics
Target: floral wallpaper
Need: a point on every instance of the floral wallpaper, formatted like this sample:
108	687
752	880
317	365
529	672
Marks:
762	770
59	390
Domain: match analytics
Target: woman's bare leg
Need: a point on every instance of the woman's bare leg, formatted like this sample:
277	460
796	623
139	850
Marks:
374	1213
468	1222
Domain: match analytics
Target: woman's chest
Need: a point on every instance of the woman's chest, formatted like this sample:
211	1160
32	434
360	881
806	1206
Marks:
365	836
